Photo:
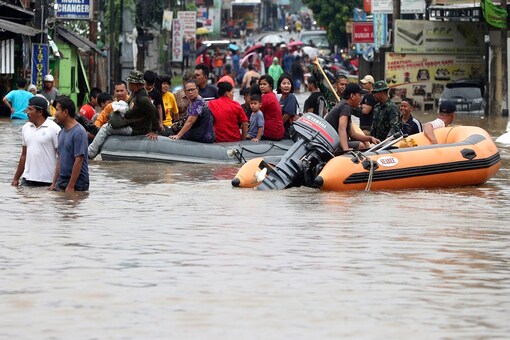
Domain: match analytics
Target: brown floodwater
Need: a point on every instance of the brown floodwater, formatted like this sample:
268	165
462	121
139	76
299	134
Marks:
173	251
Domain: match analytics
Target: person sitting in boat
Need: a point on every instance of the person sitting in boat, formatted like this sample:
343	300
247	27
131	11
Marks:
228	114
206	91
316	102
154	93
273	126
199	123
140	119
340	119
121	93
387	118
256	119
180	95
170	110
445	118
288	101
410	125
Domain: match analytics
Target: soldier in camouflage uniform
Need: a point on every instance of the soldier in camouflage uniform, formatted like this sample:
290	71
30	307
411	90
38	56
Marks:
387	118
331	100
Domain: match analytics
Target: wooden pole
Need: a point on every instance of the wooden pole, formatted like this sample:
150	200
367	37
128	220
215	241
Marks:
316	62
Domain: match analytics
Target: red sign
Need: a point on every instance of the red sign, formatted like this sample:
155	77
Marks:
362	32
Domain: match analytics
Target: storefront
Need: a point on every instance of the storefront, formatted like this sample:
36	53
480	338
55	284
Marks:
430	54
16	39
249	10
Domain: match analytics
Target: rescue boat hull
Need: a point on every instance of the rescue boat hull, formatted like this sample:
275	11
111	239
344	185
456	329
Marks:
466	156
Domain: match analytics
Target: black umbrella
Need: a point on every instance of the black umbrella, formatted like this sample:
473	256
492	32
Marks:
202	49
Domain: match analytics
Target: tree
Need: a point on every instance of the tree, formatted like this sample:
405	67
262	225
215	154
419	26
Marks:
333	15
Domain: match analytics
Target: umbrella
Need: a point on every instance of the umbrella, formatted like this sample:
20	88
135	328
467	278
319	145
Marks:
256	47
295	44
245	58
273	39
202	49
311	51
202	30
233	47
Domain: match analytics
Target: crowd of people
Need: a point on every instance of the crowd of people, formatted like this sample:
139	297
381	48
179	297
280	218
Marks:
56	150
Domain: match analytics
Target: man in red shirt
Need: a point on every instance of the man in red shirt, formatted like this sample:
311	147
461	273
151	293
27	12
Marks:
88	110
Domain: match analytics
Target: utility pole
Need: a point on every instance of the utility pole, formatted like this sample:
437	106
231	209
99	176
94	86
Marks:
93	38
395	17
111	49
504	50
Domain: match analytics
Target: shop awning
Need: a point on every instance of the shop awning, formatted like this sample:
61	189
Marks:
15	12
245	2
77	40
18	28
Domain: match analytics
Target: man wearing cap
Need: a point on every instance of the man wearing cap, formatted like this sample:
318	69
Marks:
340	119
39	142
445	118
49	91
140	119
387	119
367	105
17	100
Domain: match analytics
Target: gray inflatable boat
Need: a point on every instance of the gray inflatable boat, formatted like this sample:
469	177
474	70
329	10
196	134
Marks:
140	148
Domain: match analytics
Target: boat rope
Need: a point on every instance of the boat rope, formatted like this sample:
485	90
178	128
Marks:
271	146
370	176
360	157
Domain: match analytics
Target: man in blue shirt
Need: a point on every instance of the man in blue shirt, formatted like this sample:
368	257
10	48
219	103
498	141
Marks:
17	100
410	125
205	90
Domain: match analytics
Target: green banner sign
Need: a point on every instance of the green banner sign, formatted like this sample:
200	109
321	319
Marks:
494	15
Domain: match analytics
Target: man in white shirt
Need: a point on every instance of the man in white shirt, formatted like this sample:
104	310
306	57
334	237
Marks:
445	118
39	142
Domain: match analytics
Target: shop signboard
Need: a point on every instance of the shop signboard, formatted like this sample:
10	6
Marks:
437	37
177	39
188	23
73	9
40	59
422	77
406	7
362	32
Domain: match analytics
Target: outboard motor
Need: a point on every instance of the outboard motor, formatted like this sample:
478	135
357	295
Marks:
315	142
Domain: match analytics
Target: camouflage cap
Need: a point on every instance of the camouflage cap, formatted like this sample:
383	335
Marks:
136	77
380	86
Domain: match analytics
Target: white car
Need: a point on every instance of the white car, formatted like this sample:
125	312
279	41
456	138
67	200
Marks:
318	39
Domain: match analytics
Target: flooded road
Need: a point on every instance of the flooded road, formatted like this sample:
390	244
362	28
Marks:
172	251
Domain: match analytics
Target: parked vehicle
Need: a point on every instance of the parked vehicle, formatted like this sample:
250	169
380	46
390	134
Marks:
318	39
468	96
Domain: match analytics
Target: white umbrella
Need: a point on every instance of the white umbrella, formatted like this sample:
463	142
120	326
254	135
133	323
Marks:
311	51
273	39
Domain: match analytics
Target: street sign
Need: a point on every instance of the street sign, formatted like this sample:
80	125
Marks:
40	57
74	9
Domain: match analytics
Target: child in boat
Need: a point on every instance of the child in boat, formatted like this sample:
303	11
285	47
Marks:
445	118
256	129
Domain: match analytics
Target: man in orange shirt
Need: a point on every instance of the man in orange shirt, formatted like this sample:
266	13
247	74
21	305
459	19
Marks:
121	93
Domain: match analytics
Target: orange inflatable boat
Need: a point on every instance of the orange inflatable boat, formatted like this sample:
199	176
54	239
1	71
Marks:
465	155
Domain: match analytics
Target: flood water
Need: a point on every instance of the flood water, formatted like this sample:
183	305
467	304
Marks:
172	251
